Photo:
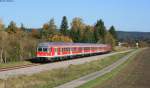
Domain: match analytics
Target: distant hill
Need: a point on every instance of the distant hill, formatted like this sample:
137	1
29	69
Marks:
125	36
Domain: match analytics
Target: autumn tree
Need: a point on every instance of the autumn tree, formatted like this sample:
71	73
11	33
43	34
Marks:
60	38
109	39
44	32
3	46
88	35
35	33
49	29
1	25
64	26
99	31
77	27
3	43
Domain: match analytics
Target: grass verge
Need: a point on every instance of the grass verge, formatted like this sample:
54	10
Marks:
55	77
113	73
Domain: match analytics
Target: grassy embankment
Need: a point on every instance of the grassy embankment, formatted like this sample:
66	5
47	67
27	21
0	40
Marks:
108	76
55	77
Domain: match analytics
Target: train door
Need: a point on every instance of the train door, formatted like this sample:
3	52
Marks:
56	51
59	51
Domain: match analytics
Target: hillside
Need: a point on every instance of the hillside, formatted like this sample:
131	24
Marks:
125	36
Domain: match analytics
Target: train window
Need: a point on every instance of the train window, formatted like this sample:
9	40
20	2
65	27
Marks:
64	49
39	49
68	49
73	49
45	49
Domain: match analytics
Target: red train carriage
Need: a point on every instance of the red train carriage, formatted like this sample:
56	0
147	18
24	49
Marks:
55	49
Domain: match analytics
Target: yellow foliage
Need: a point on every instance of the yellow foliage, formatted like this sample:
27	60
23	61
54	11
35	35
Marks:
109	39
45	26
60	38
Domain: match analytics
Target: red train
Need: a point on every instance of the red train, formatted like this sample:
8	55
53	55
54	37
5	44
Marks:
57	49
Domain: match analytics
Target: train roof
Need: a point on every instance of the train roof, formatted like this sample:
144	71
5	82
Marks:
55	44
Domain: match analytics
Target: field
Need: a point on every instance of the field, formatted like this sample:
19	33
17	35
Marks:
134	73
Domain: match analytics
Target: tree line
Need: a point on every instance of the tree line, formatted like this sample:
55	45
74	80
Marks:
79	31
19	43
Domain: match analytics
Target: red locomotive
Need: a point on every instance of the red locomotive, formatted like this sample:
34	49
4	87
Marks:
57	49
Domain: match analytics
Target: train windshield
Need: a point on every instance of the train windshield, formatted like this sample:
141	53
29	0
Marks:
42	49
45	49
39	49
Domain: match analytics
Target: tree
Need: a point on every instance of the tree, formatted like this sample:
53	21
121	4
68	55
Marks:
22	27
1	25
99	31
88	36
52	27
3	46
109	39
12	28
77	27
49	29
60	38
35	33
112	31
64	26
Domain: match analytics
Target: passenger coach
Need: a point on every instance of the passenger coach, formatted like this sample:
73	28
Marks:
55	49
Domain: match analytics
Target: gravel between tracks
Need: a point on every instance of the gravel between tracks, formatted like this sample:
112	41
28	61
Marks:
45	67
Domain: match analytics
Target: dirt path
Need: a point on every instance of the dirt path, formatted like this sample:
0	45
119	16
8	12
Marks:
135	75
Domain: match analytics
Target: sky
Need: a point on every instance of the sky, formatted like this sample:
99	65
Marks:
125	15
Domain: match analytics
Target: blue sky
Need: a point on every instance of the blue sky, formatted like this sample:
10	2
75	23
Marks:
126	15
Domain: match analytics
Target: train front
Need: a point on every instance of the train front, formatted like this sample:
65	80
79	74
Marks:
43	50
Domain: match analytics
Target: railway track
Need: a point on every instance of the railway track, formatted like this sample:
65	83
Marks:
30	69
17	67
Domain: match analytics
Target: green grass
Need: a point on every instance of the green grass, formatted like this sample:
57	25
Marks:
11	64
108	76
50	79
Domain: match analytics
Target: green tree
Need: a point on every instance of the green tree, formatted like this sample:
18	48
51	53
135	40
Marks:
22	27
99	31
112	31
52	27
12	28
64	26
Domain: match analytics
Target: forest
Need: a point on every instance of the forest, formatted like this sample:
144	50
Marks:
19	43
